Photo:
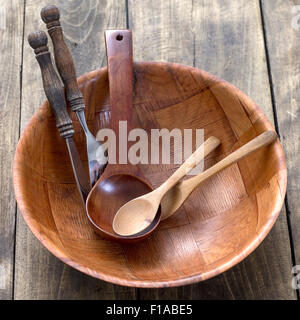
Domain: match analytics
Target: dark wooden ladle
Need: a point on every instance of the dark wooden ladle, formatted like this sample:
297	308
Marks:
123	181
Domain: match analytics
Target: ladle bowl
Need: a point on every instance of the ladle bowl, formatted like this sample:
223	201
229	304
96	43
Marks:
220	224
108	196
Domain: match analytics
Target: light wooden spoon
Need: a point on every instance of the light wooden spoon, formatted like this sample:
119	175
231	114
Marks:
176	196
137	214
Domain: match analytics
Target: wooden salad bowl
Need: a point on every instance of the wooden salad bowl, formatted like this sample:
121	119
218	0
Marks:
221	223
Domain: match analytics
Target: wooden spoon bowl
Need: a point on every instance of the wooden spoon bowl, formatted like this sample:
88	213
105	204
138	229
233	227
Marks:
110	196
221	223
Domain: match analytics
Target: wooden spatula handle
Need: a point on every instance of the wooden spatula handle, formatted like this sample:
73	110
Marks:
52	85
260	141
195	158
63	58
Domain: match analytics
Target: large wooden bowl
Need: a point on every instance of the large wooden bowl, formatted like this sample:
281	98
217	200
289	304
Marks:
221	223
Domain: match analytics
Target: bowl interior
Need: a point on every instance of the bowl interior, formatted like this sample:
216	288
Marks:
222	221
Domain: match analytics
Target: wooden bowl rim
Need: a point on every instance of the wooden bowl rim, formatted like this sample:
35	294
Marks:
48	243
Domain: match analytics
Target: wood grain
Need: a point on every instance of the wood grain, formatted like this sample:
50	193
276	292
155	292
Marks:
11	26
225	39
284	68
40	275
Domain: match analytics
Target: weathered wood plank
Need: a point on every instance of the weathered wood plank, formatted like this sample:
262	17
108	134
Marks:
282	26
40	275
11	29
226	39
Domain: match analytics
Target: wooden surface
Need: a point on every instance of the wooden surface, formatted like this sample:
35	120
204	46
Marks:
283	56
11	27
227	39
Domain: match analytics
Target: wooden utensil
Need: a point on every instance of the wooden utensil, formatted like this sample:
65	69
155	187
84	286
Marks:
122	181
177	195
138	214
65	66
55	95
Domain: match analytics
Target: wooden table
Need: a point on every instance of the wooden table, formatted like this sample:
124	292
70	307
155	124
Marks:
252	44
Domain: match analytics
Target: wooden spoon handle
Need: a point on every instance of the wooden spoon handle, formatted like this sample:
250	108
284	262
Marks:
63	58
262	140
52	85
210	144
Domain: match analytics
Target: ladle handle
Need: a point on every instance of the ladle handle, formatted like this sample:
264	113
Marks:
52	85
63	58
120	74
260	141
194	159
